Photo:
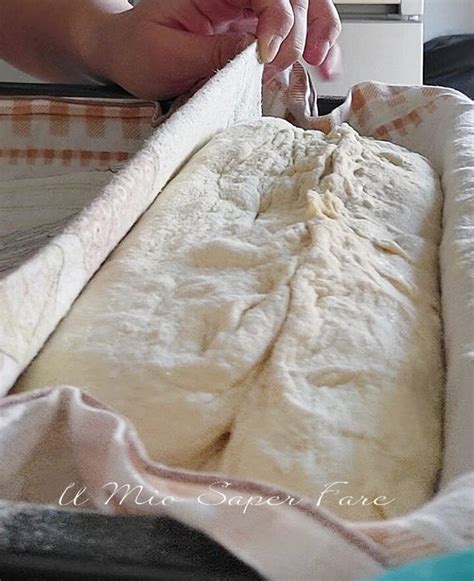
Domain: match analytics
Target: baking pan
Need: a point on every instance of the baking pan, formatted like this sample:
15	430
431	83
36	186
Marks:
47	543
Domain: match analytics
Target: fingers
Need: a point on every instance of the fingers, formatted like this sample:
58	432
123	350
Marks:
275	21
244	25
324	26
165	58
332	65
293	47
216	51
314	32
192	58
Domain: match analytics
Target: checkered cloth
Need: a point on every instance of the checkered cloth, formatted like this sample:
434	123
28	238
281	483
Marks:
71	133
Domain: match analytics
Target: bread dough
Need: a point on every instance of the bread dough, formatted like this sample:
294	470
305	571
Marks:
275	316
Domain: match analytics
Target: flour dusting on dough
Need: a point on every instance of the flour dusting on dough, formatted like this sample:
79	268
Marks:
275	316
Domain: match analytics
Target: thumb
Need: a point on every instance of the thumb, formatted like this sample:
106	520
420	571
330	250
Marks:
212	53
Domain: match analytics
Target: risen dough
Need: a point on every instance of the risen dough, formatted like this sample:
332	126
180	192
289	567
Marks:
275	315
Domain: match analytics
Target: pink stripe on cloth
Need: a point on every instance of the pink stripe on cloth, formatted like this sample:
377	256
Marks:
62	427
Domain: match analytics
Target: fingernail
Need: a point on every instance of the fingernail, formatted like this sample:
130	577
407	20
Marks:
270	48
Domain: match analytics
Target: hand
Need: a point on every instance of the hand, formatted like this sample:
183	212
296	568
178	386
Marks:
153	56
162	48
286	29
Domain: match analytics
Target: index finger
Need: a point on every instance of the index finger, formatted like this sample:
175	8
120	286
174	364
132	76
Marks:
324	26
275	21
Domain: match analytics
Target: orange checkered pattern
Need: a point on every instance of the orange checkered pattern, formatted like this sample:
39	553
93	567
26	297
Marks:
65	156
84	133
397	99
404	108
362	110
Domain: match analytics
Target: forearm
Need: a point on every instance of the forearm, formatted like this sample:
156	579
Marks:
58	40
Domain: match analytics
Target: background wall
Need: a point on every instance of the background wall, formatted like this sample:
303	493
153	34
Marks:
448	17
